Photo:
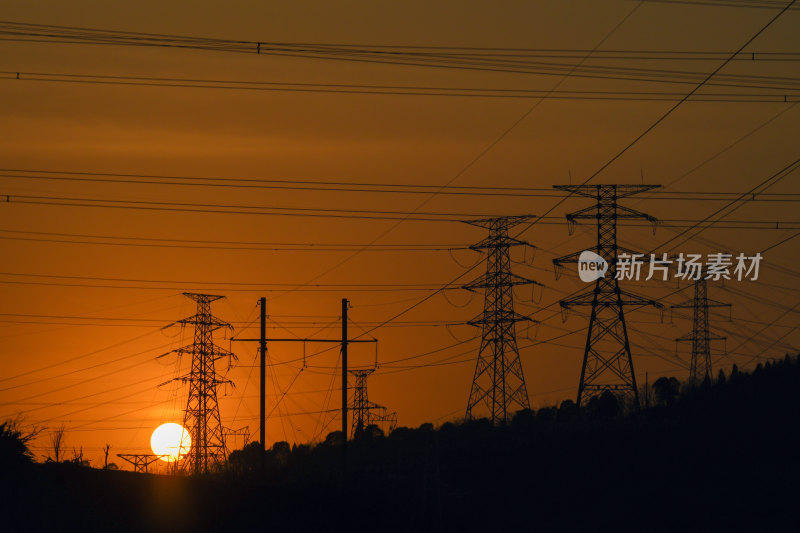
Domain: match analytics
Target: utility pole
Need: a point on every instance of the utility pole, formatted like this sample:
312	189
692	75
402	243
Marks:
701	336
262	403
498	383
607	362
344	342
344	373
201	417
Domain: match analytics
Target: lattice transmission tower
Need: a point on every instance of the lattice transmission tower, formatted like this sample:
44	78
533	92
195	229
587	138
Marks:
498	383
201	417
700	336
365	412
607	361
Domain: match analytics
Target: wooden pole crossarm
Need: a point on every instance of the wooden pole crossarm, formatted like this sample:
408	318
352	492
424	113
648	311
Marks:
336	341
263	340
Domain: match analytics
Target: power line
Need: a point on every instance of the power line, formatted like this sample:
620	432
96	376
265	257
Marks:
748	4
347	186
245	209
461	172
84	369
76	358
405	56
729	147
666	114
233	209
231	283
732	206
148	322
629	96
608	163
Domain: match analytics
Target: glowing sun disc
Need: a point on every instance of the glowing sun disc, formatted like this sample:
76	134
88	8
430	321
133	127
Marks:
171	441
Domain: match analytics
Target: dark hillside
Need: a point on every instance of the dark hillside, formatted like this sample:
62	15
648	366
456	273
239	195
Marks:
721	457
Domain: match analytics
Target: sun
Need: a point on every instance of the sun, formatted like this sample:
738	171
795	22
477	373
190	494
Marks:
170	441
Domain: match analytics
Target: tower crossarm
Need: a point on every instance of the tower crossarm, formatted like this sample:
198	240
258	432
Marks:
575	256
499	223
690	337
499	241
215	352
210	322
511	317
491	281
593	191
592	297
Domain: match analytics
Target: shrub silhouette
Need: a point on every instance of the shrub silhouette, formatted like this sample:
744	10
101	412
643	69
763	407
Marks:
14	444
666	390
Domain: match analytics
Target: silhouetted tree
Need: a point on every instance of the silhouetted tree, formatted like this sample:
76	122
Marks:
400	434
522	418
721	377
281	451
607	405
372	432
334	438
446	428
300	452
568	411
545	416
14	443
57	443
77	457
666	390
248	459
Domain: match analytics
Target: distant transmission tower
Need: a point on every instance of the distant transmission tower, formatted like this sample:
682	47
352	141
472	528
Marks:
366	413
607	362
498	383
201	417
701	336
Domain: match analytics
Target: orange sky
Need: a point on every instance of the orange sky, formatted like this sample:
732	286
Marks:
99	374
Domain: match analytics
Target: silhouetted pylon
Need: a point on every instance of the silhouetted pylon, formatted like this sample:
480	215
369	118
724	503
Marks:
498	383
700	336
607	361
366	413
201	417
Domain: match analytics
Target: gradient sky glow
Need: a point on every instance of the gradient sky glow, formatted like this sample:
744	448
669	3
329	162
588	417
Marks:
83	351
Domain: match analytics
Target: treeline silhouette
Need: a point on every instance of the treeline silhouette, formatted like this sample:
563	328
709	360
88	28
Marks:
721	455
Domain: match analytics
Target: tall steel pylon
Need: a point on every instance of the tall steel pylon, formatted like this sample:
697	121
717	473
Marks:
201	417
498	383
700	337
607	361
366	413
